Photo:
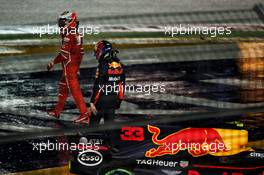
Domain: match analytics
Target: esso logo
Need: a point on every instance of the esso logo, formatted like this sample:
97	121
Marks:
90	158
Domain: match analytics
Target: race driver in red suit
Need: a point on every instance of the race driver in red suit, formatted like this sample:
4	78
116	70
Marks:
70	57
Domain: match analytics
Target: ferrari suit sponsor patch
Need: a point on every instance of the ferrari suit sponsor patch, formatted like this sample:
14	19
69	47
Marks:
97	73
65	39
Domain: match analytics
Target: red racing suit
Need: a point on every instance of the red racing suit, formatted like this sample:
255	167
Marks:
70	56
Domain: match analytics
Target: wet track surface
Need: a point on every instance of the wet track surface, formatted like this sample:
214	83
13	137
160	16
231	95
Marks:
25	97
197	78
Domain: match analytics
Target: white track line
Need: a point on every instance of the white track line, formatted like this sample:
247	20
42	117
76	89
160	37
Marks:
22	127
247	84
200	101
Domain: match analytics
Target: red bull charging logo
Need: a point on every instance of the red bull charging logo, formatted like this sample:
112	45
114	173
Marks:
198	142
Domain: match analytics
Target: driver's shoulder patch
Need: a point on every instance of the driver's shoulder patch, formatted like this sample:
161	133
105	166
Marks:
66	39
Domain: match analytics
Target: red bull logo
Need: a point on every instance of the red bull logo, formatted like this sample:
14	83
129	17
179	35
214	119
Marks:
198	142
114	65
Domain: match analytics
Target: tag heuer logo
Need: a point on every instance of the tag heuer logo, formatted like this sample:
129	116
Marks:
184	164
